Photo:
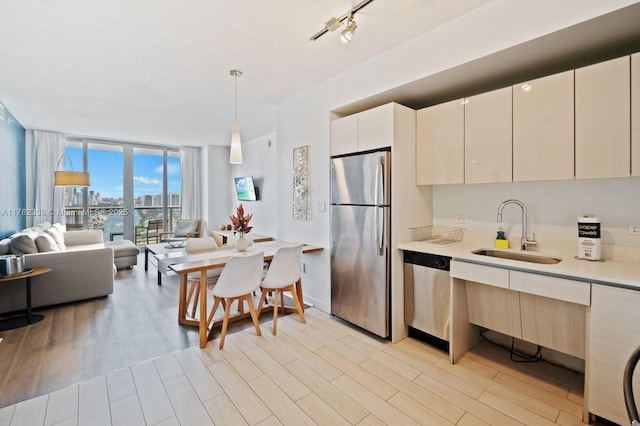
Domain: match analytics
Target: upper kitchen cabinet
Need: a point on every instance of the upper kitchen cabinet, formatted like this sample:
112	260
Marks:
375	127
487	137
635	114
543	135
440	144
364	131
603	119
344	135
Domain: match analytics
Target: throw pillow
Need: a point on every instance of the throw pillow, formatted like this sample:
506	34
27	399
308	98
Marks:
41	226
60	227
45	242
23	244
57	236
184	227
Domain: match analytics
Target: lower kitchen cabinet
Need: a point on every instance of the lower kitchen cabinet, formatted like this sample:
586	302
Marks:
494	308
613	336
545	310
554	324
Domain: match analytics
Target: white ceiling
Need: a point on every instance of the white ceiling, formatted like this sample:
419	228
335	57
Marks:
157	71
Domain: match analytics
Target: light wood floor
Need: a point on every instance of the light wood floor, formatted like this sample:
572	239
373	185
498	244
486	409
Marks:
324	372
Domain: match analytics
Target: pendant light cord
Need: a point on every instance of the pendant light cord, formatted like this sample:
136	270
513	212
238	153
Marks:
235	74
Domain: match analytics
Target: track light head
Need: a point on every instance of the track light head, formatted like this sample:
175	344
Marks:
347	34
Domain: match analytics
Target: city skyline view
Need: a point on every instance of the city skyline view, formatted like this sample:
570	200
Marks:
106	167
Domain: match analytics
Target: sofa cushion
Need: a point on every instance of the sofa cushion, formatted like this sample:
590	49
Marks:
123	248
23	244
57	236
183	227
45	242
90	236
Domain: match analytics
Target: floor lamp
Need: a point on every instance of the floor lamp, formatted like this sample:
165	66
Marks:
68	179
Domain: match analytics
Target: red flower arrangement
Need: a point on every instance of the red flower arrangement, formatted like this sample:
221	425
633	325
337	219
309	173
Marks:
240	222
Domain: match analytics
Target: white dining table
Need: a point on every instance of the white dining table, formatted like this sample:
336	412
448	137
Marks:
202	261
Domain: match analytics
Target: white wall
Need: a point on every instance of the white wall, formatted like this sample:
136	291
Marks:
219	188
259	160
304	119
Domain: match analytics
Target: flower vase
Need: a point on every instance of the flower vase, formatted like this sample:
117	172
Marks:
242	243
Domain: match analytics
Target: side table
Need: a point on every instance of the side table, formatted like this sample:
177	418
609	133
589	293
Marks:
29	318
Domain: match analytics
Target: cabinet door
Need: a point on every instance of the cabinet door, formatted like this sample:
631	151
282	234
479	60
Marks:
375	128
543	134
603	120
554	324
440	144
635	114
494	308
344	135
488	137
613	336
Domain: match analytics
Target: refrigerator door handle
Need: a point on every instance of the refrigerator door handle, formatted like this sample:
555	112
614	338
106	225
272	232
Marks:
379	224
380	230
377	181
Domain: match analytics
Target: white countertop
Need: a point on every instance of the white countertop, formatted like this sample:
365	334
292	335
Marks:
624	274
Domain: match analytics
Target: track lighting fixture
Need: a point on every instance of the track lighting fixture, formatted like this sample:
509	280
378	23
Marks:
335	23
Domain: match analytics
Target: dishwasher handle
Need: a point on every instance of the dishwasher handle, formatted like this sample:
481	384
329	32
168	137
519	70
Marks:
428	260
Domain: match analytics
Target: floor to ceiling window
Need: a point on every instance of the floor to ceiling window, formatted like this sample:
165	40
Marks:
130	186
174	186
105	198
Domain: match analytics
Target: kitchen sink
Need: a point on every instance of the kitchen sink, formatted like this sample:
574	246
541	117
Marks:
523	257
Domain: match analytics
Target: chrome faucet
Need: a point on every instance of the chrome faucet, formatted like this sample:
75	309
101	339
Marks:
524	241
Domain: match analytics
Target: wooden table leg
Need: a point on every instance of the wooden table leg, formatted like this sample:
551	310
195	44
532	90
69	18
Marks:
182	297
204	333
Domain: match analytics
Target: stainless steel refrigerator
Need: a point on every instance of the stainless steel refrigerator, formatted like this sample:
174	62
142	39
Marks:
360	232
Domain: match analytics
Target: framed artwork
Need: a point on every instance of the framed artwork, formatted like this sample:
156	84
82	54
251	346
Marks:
300	182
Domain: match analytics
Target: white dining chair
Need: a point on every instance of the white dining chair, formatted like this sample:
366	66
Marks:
195	245
283	275
240	276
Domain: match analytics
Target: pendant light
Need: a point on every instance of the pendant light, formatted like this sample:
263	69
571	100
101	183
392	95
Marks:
235	153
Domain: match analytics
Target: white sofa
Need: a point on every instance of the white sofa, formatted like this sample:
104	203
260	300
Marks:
83	270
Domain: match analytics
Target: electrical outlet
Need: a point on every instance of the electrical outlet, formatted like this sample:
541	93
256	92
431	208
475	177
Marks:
633	229
461	220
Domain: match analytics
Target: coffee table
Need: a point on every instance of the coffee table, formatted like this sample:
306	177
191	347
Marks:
29	318
159	249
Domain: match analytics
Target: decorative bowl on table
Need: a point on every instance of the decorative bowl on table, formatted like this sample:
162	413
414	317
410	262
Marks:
176	242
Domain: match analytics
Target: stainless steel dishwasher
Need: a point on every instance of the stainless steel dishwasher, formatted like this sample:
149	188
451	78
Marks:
426	297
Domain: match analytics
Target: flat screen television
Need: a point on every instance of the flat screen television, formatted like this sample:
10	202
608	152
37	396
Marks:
245	188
